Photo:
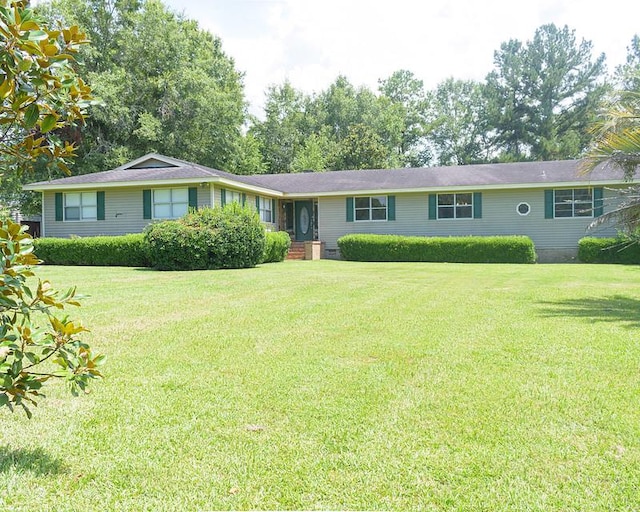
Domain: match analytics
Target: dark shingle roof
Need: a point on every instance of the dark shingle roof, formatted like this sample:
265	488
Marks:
187	171
499	175
525	173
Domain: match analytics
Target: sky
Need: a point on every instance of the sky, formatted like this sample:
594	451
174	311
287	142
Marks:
311	42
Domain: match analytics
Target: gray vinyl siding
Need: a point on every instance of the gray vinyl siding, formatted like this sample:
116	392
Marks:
499	217
125	202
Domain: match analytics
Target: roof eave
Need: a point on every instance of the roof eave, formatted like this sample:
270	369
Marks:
462	188
48	187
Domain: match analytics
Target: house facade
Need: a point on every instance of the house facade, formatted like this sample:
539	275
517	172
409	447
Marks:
551	202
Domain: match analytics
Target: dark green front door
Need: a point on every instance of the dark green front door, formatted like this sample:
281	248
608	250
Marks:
304	221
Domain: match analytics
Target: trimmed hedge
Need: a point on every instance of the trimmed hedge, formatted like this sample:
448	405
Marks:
468	249
609	250
276	246
116	251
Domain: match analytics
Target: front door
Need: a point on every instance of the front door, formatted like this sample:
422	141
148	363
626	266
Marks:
304	221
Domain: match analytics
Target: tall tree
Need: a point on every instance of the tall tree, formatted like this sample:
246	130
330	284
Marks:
167	86
317	133
406	93
281	134
337	107
543	95
362	148
318	153
628	75
458	130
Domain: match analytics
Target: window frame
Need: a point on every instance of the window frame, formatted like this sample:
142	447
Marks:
573	203
264	206
454	206
171	202
232	196
80	206
370	209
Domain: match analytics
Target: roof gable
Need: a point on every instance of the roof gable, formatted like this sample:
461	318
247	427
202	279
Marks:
151	160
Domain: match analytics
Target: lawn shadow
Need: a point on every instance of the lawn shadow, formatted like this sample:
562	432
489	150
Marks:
35	461
617	308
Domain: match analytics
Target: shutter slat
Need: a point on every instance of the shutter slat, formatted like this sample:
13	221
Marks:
433	203
146	204
100	204
223	197
598	201
391	207
59	209
548	204
477	205
349	209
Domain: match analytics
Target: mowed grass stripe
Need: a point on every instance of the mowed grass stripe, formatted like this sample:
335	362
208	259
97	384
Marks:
336	385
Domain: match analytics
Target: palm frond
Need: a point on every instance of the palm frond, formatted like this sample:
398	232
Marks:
616	135
626	214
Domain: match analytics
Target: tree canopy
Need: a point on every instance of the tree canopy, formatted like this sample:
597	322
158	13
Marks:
543	94
166	85
42	98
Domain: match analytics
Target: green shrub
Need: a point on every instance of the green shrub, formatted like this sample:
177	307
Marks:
123	251
468	249
175	246
609	250
276	246
210	238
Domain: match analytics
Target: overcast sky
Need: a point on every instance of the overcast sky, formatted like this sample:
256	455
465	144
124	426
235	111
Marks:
311	42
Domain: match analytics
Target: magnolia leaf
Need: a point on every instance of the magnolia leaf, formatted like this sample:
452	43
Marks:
29	25
24	65
48	123
6	88
37	35
31	115
50	50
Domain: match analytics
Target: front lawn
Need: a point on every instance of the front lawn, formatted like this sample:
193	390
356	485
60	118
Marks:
337	385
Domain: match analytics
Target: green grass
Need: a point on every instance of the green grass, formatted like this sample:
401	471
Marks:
337	385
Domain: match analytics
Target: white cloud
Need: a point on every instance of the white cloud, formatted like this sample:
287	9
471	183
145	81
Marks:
310	42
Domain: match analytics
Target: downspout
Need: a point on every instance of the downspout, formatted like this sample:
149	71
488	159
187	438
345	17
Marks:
42	216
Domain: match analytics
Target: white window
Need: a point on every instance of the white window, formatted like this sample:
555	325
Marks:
233	196
370	208
264	207
573	202
170	203
80	206
455	206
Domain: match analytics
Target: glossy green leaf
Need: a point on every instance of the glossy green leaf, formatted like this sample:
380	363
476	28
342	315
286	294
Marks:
31	115
48	123
37	35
